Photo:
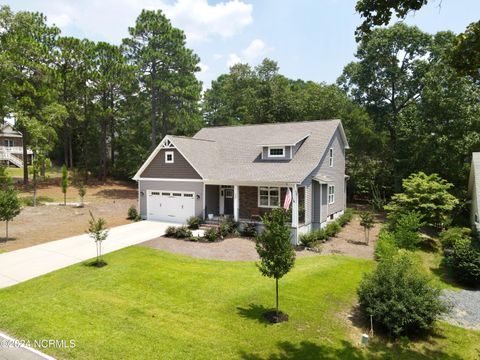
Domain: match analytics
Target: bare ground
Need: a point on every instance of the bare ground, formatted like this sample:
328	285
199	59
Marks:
36	225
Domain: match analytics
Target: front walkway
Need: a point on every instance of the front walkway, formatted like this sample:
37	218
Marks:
24	264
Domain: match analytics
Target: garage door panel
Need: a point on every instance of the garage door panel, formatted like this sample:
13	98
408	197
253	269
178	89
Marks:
171	206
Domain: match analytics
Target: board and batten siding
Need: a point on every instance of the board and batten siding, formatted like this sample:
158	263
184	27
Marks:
190	186
179	169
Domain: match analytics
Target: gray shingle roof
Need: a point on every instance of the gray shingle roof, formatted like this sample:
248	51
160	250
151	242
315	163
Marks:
232	153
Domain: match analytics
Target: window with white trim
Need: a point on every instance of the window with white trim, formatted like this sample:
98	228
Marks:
276	152
331	194
330	156
268	196
8	142
169	157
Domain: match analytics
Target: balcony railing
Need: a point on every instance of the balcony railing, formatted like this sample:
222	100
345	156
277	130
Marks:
14	150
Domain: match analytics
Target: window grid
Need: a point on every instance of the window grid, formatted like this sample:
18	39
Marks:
331	194
268	196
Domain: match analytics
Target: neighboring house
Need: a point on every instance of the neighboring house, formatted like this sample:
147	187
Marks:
244	171
11	147
474	190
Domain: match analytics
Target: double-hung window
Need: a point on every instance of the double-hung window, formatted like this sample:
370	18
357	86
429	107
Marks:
331	194
268	196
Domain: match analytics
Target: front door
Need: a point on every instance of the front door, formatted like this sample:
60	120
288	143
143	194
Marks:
228	201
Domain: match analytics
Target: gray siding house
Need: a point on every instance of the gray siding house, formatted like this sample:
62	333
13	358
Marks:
474	190
245	171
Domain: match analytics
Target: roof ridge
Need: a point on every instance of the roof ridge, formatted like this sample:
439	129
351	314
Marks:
191	138
275	123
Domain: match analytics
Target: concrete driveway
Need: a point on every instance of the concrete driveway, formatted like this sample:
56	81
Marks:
24	264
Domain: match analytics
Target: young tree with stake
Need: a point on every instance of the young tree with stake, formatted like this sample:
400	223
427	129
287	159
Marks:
64	183
9	206
98	232
277	256
82	191
367	221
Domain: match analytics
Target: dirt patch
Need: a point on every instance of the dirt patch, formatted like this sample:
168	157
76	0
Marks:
351	241
232	249
36	225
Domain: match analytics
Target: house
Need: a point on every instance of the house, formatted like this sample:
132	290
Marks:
11	147
245	171
474	190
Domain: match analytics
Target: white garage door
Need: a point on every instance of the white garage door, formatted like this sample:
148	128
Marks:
171	206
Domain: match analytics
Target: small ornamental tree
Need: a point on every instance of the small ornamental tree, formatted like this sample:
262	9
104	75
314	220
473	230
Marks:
277	256
98	232
64	183
9	206
426	194
82	191
406	232
367	221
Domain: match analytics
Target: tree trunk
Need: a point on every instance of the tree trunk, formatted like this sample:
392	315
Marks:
112	142
25	157
103	151
34	184
70	151
153	115
6	231
276	294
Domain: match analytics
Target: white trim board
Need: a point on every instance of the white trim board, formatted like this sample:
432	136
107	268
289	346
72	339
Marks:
169	179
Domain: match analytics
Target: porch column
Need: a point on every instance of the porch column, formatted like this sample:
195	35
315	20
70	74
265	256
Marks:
295	206
236	203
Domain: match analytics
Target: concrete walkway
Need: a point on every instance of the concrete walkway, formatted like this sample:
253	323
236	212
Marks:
24	264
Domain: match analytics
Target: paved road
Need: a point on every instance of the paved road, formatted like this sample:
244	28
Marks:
24	264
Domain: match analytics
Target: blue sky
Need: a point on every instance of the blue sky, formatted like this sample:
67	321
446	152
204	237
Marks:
310	39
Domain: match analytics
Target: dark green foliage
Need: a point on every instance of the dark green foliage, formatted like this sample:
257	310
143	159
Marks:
249	230
308	239
195	239
332	229
97	230
211	234
314	237
367	221
171	231
64	183
385	247
274	248
406	232
10	206
133	214
194	222
82	191
461	256
345	218
400	296
448	238
227	227
182	232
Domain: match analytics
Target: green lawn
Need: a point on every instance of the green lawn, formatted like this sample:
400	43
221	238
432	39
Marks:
148	304
15	172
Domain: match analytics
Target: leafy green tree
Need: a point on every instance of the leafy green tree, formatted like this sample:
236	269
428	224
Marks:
387	79
426	194
82	191
276	253
406	232
10	206
98	232
367	221
64	183
400	296
166	69
465	55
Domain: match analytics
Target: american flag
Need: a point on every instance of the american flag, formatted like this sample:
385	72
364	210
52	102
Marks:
288	199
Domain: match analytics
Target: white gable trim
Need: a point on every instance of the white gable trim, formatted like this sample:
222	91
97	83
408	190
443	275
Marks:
166	143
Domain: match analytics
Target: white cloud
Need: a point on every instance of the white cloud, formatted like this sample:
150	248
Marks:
253	52
217	57
109	19
203	68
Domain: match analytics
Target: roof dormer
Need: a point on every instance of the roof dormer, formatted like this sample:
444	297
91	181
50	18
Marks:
281	146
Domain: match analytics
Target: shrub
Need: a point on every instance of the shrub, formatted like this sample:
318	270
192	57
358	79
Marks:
211	234
249	230
367	221
194	222
170	231
182	232
406	230
450	237
463	259
308	239
385	246
332	229
345	218
132	213
195	238
399	295
227	226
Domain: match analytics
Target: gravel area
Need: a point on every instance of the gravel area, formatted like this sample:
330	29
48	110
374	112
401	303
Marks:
465	310
232	249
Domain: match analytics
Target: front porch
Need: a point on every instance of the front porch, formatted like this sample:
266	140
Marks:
249	203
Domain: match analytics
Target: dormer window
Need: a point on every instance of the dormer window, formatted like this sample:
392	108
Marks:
169	157
276	152
330	155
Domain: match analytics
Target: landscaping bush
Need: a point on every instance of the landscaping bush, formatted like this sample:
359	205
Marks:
133	214
170	231
463	259
195	239
249	230
407	228
311	238
385	246
308	239
345	218
332	229
194	222
227	226
400	296
211	234
448	238
182	232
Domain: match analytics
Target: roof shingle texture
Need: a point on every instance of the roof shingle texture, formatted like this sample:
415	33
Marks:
233	153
